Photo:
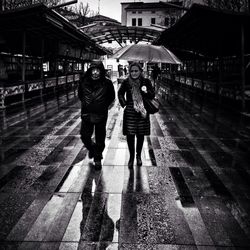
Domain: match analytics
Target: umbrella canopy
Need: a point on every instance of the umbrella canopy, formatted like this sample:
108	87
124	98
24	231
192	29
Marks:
146	53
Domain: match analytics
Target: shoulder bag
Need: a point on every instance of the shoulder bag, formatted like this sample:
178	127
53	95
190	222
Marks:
151	105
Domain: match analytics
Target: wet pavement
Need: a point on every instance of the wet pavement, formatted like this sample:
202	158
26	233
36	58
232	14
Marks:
192	191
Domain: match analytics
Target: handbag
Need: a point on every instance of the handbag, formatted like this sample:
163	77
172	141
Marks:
151	105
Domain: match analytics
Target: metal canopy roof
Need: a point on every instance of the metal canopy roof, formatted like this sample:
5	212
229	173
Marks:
107	34
208	31
38	21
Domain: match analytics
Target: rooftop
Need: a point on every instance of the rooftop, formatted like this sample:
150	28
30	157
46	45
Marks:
157	5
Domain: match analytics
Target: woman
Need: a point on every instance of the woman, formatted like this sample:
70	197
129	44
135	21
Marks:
135	118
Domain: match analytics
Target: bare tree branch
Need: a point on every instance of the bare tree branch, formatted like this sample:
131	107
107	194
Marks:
233	5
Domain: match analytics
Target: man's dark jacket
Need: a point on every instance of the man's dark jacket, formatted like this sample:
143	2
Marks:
96	95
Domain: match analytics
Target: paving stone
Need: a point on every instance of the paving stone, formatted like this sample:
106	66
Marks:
192	191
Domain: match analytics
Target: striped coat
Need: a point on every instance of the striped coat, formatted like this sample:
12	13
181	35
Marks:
133	122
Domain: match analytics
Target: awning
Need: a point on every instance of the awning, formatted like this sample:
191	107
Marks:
39	22
208	31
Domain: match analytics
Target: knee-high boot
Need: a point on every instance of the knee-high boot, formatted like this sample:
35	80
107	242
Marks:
139	145
131	148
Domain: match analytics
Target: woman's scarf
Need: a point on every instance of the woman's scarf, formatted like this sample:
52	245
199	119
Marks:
137	97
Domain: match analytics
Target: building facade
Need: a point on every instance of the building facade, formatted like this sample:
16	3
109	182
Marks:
154	14
150	14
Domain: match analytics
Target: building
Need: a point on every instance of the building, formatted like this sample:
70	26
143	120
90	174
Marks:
154	14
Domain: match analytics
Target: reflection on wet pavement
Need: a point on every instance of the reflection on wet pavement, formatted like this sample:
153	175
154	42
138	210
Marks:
192	191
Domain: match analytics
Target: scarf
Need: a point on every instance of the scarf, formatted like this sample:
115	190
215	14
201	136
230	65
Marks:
137	97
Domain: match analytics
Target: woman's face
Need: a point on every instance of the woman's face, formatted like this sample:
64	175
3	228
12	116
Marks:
135	72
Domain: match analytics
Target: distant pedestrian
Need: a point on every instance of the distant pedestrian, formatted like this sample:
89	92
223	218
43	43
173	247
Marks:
136	120
156	71
125	70
120	70
96	93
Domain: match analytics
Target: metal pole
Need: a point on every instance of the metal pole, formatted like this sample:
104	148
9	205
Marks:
243	76
42	57
24	52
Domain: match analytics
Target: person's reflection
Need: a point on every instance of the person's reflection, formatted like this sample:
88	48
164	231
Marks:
130	185
131	196
96	226
128	226
138	183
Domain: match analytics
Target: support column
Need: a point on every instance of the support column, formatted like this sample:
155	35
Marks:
243	76
23	52
243	115
42	57
56	88
41	71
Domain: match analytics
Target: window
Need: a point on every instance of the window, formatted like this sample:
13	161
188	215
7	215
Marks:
133	21
152	20
139	21
139	12
153	11
134	12
167	21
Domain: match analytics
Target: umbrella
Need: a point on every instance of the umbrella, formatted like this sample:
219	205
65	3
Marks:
146	53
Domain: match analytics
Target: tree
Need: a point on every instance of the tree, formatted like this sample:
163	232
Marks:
77	14
81	11
14	4
233	5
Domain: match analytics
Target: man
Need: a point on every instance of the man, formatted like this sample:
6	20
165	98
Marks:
156	71
96	93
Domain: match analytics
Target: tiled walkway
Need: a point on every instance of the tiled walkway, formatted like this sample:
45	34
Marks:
192	191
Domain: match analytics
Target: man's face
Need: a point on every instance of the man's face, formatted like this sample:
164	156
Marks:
95	73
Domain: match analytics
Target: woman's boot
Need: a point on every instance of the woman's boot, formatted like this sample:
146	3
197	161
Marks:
131	148
139	145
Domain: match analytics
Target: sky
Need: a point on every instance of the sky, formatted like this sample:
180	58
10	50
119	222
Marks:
110	8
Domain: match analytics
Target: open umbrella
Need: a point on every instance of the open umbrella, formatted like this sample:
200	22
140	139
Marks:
146	53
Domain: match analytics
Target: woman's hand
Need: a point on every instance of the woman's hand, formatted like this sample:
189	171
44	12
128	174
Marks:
144	89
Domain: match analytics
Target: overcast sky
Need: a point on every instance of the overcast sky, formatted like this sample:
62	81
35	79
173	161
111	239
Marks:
110	8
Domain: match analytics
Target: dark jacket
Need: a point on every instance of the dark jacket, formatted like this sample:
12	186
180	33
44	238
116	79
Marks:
133	122
96	95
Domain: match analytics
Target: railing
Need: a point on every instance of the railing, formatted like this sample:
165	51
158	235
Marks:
229	89
20	88
205	92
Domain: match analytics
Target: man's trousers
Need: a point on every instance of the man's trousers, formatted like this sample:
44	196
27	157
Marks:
87	128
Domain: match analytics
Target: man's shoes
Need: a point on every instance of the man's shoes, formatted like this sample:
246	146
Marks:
98	165
138	160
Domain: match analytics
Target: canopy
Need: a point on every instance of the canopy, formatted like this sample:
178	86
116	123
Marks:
39	22
208	31
106	34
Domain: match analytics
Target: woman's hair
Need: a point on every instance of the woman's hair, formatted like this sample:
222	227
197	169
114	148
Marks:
135	64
